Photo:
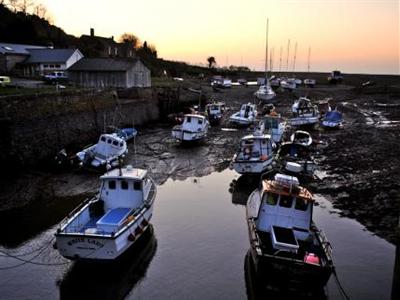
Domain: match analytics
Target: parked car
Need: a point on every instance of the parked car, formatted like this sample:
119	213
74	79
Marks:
4	80
335	77
56	77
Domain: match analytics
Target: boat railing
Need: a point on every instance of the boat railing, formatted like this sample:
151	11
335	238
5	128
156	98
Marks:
326	245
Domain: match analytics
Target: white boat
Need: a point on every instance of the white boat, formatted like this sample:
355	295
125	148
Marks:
275	126
286	245
215	111
275	81
246	116
265	93
193	128
304	113
288	84
301	137
309	82
108	150
255	154
107	225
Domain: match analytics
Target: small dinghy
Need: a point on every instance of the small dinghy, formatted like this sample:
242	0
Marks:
286	245
255	154
127	133
246	116
288	84
108	150
304	113
301	137
105	226
332	119
193	128
214	112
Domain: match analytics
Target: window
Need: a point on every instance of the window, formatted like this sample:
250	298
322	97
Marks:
137	186
46	66
301	204
103	139
57	66
271	199
189	119
115	143
200	121
112	185
286	201
121	144
124	185
109	141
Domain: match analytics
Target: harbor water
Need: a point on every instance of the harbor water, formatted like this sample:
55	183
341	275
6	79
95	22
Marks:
195	250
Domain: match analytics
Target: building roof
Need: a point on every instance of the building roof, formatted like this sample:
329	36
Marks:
103	64
50	55
19	49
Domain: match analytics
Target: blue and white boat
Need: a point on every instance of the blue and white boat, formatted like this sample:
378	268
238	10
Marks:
194	128
108	150
332	119
105	226
127	133
275	126
304	113
215	111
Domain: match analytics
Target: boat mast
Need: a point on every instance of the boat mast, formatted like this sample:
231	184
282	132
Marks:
287	56
294	57
271	59
309	54
266	52
280	60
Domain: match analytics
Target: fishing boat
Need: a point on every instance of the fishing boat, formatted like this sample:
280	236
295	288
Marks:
274	125
106	225
286	245
301	137
193	128
108	150
296	159
332	119
246	116
255	153
304	113
214	112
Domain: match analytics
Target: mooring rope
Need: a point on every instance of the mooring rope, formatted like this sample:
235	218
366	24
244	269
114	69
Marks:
30	261
341	289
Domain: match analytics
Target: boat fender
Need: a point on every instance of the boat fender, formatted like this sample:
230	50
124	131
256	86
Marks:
311	258
138	230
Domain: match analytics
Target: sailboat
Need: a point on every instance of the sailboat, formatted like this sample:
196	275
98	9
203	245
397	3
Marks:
308	81
265	93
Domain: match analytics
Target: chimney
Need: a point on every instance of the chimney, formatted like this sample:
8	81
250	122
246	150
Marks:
91	32
112	38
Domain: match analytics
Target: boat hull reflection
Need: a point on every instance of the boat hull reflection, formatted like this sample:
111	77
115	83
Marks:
110	280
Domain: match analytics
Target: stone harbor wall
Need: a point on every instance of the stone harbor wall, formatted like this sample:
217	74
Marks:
35	127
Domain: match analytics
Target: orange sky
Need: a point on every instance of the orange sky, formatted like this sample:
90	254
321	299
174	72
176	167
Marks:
355	36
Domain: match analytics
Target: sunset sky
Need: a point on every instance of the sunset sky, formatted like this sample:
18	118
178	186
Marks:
355	36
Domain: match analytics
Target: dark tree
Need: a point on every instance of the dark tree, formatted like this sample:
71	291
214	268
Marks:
130	38
211	61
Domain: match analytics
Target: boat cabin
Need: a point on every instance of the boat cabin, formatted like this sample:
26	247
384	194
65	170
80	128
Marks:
256	147
193	122
285	212
303	106
247	110
109	145
215	108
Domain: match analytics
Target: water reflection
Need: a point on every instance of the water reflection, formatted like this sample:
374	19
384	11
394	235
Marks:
260	288
242	188
88	280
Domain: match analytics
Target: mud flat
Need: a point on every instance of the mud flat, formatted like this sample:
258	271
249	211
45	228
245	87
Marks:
360	163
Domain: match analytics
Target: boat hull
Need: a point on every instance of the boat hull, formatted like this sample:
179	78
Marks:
96	247
330	124
251	167
188	136
300	121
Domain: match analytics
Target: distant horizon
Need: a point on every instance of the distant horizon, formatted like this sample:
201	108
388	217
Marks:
354	36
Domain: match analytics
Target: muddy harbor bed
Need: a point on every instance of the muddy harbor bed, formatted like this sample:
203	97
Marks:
360	162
